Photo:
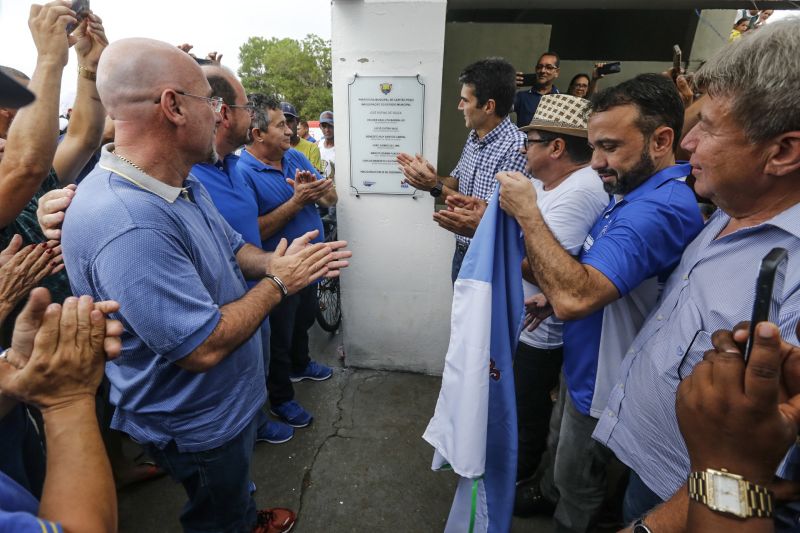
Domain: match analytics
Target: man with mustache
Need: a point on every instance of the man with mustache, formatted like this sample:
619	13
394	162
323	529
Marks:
526	102
605	293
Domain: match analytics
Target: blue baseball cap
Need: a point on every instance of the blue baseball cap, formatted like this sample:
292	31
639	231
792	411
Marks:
326	117
288	109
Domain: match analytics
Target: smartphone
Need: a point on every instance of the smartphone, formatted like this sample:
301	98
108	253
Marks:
529	80
610	68
677	59
769	291
81	9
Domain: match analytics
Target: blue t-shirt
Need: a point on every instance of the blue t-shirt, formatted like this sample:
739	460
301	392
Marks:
271	190
168	257
232	196
635	243
18	510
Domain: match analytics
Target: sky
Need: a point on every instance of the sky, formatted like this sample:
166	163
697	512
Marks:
197	22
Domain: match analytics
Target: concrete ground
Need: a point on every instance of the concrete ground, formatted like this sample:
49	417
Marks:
361	466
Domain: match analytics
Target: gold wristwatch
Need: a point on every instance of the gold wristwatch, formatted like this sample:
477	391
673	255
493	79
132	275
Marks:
724	492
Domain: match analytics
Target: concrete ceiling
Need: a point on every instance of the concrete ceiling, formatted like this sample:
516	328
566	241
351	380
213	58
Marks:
617	4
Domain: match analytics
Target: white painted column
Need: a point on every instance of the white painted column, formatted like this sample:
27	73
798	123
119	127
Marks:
396	295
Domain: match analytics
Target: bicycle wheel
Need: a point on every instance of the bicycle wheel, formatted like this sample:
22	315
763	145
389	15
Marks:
329	306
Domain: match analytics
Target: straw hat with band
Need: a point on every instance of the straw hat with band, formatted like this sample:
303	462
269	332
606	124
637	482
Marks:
561	113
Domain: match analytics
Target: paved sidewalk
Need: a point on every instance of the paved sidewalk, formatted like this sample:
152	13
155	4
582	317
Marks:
361	466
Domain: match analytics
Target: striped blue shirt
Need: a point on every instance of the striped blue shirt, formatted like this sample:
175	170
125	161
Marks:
712	288
482	159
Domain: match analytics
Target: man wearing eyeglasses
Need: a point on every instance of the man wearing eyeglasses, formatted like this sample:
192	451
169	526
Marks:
526	102
190	379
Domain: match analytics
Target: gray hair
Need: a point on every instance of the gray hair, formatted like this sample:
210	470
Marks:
760	73
262	105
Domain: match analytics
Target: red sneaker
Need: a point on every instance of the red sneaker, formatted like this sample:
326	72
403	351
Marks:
275	520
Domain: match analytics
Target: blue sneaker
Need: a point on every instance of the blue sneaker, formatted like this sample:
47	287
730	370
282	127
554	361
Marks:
275	433
313	371
291	413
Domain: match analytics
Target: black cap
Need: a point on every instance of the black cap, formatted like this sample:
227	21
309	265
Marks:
12	93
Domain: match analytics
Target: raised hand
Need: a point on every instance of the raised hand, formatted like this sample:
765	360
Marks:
67	359
418	172
517	194
48	25
52	209
25	269
90	40
307	188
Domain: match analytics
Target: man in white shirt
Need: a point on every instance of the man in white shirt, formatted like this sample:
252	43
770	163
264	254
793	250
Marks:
570	196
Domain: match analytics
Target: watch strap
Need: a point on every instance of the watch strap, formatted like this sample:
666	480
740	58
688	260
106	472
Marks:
759	498
436	190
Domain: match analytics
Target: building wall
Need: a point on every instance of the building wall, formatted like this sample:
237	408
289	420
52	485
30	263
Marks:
396	294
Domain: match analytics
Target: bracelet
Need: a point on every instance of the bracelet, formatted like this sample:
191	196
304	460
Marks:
278	283
86	73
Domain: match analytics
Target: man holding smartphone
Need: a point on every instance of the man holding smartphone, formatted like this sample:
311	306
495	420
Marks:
745	156
526	102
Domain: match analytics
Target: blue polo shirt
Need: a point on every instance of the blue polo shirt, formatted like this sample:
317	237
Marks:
168	257
635	243
232	196
18	510
525	104
271	190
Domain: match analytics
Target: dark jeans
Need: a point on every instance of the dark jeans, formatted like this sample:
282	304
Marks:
458	258
639	499
216	482
536	373
22	456
288	342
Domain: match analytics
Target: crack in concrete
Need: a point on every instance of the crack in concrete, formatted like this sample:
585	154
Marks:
306	483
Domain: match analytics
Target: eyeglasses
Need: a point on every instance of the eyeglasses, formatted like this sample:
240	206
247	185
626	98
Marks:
546	67
528	142
215	102
251	109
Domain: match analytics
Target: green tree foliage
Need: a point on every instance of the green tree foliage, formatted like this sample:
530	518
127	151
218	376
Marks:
296	71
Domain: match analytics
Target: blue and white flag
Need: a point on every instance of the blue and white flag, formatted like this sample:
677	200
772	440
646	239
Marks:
474	427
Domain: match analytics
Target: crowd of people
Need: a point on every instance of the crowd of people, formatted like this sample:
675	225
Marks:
639	270
173	193
139	212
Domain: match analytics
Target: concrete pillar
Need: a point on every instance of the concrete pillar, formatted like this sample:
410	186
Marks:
396	295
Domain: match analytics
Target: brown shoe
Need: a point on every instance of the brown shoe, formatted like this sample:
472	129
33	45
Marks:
275	520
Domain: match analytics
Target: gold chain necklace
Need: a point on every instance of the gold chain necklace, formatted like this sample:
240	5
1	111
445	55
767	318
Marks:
131	163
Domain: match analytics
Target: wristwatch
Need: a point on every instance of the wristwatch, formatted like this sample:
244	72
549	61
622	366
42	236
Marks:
640	527
436	190
724	492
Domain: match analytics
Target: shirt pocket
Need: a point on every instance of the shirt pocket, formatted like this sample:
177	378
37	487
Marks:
682	367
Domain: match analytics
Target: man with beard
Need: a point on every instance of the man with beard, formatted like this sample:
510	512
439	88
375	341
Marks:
605	294
142	230
526	102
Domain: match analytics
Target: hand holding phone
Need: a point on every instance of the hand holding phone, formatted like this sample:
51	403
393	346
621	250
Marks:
769	292
81	9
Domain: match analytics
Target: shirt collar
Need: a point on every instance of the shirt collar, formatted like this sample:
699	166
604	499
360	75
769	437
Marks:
787	220
553	90
114	164
496	133
249	159
658	179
